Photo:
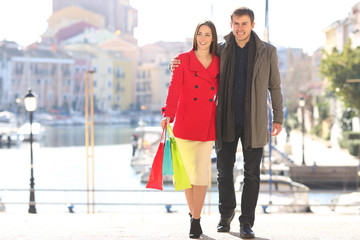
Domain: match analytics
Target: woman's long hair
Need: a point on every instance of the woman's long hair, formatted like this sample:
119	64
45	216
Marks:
213	46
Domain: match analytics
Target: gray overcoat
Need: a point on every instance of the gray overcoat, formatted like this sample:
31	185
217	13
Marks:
265	78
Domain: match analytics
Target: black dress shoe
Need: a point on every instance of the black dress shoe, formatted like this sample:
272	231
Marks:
224	224
246	232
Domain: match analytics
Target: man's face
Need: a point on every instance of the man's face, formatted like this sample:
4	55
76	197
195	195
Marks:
241	26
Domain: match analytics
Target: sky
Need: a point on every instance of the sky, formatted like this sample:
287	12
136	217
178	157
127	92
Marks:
296	24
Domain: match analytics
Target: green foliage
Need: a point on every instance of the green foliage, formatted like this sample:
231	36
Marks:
346	119
354	147
324	107
338	67
351	141
317	130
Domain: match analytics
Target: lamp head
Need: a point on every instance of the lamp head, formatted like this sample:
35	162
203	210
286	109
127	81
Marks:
301	102
30	101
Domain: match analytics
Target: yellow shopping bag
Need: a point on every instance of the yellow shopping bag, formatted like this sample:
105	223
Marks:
181	179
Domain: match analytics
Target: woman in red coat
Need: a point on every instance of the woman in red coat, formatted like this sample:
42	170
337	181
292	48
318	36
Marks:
191	105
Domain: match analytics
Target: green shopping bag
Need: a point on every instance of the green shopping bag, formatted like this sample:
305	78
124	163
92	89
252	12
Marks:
167	159
181	179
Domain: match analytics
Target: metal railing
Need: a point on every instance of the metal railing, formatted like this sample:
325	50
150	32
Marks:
156	200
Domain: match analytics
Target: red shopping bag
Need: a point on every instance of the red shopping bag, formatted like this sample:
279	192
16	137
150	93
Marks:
156	177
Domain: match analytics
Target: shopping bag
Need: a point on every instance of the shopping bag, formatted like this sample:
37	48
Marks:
181	179
167	160
156	177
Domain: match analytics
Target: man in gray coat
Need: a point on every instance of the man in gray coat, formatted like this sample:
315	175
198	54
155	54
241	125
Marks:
248	71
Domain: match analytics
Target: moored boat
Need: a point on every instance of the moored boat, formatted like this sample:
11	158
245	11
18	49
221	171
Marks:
279	194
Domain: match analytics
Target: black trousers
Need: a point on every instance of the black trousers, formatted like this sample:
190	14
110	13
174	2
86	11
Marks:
225	167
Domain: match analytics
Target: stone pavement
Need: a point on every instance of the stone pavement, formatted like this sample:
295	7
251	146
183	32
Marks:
148	226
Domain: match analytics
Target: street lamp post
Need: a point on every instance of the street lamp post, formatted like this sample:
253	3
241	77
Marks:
302	105
30	102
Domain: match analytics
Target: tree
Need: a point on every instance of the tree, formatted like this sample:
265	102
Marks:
338	67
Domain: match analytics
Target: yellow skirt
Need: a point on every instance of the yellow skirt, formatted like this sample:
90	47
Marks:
196	159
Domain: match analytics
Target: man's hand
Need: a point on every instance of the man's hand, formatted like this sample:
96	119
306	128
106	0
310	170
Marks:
276	129
174	64
164	121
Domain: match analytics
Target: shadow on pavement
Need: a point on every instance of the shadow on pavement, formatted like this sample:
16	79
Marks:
203	236
237	234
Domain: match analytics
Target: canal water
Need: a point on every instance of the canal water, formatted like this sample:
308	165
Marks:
62	178
70	136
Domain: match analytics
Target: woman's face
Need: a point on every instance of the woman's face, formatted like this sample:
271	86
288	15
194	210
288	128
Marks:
204	38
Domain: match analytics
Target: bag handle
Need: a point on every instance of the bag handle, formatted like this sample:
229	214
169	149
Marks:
162	135
170	132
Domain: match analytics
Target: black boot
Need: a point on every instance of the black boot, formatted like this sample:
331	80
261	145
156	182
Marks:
195	228
191	220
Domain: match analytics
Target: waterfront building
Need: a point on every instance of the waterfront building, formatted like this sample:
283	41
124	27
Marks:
112	79
338	33
355	18
94	30
123	84
47	72
8	49
153	75
69	22
119	15
121	49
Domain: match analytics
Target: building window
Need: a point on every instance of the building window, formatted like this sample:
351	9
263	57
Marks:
53	69
119	72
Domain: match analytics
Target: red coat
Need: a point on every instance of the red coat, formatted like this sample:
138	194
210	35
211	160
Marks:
191	98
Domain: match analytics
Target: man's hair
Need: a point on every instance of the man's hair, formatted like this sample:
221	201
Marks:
213	46
243	11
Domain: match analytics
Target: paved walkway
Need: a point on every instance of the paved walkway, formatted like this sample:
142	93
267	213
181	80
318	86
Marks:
315	151
149	226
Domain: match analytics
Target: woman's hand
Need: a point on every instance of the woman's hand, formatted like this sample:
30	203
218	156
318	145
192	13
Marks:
164	121
174	64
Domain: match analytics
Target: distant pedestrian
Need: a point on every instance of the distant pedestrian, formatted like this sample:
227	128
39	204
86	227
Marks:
8	141
134	143
288	130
